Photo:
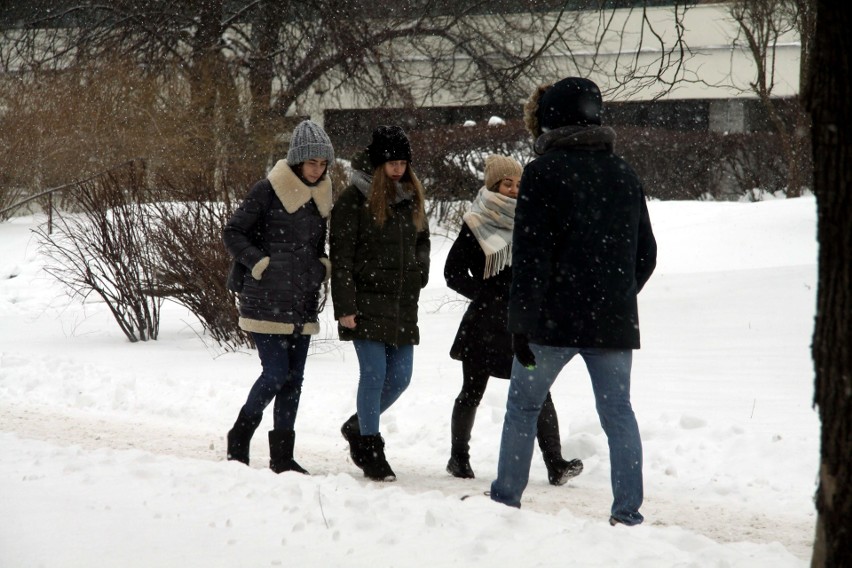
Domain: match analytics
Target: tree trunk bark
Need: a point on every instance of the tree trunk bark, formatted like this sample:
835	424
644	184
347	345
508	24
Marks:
216	134
829	96
263	127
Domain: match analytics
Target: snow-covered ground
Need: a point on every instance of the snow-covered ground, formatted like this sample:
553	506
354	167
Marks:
113	453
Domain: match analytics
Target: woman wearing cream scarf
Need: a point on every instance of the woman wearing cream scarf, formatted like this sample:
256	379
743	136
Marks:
479	267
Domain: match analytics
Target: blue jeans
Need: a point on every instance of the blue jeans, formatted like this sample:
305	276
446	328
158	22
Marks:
283	360
610	373
385	374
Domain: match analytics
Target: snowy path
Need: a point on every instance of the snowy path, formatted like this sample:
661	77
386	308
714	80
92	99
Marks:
114	452
732	522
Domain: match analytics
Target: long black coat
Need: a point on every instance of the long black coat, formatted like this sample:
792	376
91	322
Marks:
482	338
377	271
288	291
583	248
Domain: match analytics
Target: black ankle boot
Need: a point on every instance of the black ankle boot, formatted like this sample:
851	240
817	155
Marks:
239	437
559	470
352	434
459	466
281	443
372	455
461	426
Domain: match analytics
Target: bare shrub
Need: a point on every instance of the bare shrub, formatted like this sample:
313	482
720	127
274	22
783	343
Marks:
672	164
451	162
103	249
64	125
192	261
676	165
9	195
339	177
755	161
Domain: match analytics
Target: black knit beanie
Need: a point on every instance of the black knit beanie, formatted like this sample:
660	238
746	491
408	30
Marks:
389	143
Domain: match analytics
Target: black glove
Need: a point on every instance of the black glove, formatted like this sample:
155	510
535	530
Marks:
521	348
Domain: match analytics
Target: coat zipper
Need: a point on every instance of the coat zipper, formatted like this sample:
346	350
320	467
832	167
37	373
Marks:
401	276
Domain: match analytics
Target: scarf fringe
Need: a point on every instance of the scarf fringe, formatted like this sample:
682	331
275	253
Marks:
496	262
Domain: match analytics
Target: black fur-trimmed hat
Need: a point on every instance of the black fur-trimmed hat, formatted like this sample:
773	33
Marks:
389	143
573	101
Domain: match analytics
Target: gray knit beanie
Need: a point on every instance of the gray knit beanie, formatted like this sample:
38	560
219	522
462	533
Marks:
308	141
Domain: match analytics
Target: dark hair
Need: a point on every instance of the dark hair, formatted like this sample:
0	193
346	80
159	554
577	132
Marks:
297	169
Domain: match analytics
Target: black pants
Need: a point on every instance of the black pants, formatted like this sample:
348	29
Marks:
475	380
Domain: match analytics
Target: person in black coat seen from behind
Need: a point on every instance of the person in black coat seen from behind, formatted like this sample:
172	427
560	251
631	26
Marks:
479	267
583	249
277	239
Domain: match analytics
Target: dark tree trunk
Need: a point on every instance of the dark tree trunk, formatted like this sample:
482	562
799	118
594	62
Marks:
205	56
263	126
216	132
830	104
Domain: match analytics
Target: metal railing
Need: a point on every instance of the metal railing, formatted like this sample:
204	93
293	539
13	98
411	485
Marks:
49	192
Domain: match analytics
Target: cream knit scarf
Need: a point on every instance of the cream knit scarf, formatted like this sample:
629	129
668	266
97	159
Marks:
491	219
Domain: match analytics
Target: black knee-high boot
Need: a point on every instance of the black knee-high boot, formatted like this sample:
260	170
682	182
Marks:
461	426
559	470
239	437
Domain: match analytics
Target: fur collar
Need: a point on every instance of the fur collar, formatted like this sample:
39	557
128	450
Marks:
531	110
294	193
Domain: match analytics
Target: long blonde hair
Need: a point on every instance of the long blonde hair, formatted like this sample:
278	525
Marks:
383	194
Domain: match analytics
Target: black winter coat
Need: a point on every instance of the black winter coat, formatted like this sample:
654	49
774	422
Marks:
377	271
483	339
583	248
286	297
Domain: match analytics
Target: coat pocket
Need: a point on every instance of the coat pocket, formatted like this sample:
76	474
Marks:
236	277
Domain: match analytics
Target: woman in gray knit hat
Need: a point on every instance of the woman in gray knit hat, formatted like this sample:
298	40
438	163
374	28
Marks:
277	239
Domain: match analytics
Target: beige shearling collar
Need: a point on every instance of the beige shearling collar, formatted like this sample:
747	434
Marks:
293	192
